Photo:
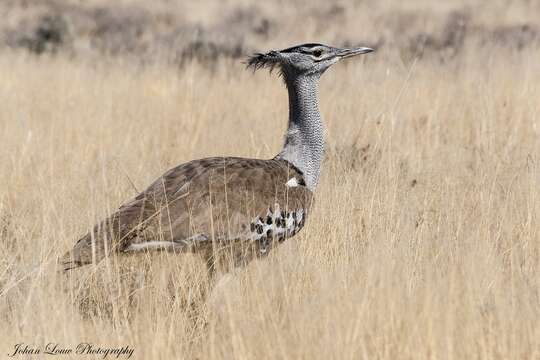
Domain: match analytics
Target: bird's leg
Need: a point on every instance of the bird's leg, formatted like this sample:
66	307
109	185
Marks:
221	278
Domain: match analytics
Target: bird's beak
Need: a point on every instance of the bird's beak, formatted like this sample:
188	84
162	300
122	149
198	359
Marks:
345	53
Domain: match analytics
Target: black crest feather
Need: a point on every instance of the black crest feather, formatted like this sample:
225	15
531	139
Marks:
258	61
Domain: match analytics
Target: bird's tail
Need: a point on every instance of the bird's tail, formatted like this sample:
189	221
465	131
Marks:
92	247
86	251
68	263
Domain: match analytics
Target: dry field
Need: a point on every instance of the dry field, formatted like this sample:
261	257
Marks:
424	242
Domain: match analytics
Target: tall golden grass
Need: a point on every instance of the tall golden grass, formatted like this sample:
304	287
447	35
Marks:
424	242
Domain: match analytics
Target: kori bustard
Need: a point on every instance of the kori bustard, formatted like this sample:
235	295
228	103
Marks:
230	206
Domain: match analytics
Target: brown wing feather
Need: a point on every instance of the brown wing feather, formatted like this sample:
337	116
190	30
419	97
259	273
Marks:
219	199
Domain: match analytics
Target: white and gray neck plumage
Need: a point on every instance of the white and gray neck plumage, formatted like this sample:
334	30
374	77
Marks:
304	140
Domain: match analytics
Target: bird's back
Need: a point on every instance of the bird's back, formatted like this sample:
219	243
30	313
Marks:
201	204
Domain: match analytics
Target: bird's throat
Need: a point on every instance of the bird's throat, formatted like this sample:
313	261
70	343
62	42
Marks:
304	140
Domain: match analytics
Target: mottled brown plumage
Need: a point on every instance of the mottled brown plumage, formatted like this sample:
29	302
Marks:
230	209
205	205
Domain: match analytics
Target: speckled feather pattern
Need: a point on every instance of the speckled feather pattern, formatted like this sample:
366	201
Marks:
304	140
204	203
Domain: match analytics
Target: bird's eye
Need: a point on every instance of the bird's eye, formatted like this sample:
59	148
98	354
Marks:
317	53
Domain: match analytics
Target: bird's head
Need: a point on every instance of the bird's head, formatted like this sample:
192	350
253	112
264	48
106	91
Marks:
305	59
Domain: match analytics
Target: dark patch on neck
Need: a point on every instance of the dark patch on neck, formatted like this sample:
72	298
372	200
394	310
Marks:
291	165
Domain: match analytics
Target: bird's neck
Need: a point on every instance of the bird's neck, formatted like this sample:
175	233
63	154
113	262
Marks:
304	140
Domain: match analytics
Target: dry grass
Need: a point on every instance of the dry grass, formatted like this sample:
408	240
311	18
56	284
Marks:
423	244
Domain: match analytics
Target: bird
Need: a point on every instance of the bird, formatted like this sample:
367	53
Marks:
230	210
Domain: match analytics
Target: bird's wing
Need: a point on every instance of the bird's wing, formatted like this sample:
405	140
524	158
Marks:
208	200
229	199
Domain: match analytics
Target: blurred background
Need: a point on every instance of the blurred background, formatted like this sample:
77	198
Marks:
181	30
